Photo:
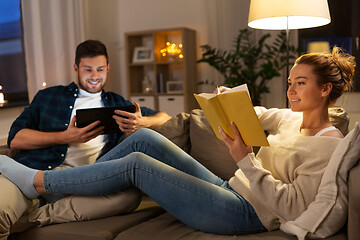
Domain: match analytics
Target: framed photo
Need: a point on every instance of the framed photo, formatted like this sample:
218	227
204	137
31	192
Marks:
143	55
174	86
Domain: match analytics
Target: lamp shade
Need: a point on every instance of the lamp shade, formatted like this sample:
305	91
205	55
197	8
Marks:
274	14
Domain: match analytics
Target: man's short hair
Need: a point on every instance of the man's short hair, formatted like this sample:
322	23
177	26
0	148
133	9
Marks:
90	48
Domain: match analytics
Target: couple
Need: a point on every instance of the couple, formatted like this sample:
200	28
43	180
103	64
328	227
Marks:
287	173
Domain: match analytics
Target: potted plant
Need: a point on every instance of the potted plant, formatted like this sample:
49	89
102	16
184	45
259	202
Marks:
253	63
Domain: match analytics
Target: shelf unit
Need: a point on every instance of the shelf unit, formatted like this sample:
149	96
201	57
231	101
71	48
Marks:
177	74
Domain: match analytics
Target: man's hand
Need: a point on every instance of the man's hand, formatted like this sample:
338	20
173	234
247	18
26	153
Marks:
74	134
237	147
130	122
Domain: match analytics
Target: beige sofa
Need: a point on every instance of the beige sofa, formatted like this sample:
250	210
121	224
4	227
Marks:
193	134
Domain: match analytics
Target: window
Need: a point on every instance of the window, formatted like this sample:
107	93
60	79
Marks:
12	59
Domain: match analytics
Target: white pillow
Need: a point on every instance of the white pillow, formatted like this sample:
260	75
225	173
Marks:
328	213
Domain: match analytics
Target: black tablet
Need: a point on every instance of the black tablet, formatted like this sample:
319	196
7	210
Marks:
87	116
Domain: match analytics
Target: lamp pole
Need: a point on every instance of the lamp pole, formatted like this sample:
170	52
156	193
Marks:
287	60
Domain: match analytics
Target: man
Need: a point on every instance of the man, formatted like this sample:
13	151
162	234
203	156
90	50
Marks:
48	138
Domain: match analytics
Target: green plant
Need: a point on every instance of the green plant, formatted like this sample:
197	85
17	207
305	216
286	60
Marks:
253	63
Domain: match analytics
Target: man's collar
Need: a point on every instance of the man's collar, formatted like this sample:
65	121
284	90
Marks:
72	87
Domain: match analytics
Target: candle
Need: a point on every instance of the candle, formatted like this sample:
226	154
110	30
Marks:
2	100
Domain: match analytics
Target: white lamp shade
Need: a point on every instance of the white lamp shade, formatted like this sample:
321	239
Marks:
274	14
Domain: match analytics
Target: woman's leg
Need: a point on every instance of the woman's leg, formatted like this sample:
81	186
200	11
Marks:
162	149
197	203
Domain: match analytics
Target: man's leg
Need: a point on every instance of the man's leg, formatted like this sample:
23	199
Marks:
12	205
83	208
200	204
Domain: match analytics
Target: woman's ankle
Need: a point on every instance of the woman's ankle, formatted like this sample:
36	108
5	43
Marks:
38	182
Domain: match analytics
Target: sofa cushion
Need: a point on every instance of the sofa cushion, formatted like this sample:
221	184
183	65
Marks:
208	149
167	227
328	213
106	228
5	150
339	118
177	130
354	206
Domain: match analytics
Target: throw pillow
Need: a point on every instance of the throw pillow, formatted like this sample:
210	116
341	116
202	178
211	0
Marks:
328	213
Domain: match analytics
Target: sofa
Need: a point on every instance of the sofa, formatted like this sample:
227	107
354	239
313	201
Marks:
192	133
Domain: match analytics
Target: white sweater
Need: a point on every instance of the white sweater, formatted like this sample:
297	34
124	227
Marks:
283	179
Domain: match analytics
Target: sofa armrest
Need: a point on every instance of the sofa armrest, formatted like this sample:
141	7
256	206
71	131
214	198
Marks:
5	150
354	199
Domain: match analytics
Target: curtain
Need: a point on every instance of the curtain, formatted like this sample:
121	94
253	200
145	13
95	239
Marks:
52	30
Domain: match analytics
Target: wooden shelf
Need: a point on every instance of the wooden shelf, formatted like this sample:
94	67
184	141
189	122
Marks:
181	72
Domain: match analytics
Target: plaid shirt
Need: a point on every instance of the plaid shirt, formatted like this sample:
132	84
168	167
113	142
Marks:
50	111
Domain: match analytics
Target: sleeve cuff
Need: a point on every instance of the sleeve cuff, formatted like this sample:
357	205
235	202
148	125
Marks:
248	161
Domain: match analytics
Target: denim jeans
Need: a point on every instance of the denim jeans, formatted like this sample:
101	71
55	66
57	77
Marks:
171	177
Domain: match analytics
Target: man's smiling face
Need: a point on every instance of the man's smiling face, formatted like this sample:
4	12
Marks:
92	73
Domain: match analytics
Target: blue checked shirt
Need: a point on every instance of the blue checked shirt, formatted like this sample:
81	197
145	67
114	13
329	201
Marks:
50	111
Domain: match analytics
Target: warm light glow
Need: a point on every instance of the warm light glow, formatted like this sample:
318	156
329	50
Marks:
2	99
173	50
44	84
319	47
294	14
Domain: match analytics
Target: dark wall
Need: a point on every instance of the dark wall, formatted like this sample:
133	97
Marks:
344	30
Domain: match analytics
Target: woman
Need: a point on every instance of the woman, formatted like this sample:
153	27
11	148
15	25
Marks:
276	185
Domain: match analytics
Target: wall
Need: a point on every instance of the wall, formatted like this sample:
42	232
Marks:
216	22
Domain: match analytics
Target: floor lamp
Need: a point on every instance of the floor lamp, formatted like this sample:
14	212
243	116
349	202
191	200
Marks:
287	15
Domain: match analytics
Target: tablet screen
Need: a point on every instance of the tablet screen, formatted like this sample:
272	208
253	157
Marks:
87	116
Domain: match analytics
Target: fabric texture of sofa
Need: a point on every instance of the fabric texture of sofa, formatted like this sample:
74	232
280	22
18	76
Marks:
192	133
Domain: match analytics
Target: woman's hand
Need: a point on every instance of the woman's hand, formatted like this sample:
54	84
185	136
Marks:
237	147
220	89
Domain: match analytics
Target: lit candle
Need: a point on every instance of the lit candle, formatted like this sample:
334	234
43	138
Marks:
2	100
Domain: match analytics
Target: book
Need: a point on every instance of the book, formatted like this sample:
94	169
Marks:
233	105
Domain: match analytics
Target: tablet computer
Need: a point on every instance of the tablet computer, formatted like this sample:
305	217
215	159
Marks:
87	116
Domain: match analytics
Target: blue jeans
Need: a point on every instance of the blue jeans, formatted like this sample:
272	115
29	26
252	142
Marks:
171	177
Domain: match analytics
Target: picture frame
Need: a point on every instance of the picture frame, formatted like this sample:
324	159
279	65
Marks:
143	55
174	87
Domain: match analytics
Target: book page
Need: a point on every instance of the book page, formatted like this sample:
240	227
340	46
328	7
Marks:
240	88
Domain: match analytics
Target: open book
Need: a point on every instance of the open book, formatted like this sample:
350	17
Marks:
234	105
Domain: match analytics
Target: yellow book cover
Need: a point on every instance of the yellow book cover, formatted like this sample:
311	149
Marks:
234	105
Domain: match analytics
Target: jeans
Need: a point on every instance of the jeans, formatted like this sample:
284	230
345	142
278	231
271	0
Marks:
171	177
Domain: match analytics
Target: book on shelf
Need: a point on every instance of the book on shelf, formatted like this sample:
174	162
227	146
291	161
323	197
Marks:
161	83
233	105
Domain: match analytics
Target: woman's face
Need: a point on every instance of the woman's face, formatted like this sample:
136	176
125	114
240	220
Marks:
304	93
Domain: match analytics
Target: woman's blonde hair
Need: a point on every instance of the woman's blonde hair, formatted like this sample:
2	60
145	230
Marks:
337	68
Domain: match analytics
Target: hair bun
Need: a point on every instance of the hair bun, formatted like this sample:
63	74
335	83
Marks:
346	64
